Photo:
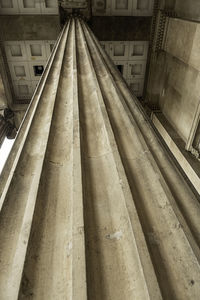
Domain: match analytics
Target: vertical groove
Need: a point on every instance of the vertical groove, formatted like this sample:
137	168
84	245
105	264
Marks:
19	202
9	168
102	156
158	214
178	187
92	207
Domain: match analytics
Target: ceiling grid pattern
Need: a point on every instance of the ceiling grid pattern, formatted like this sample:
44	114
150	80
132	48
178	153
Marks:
12	7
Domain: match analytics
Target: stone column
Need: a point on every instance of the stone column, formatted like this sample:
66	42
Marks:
92	206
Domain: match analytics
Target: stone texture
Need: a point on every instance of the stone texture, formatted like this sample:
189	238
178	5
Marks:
174	76
118	28
92	207
188	9
35	27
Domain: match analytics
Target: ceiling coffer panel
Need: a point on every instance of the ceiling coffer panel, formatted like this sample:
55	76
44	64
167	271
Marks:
122	7
68	4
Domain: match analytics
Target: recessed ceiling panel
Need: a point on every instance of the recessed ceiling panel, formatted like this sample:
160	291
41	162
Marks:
51	3
136	69
119	50
9	7
138	50
23	89
136	85
122	7
29	7
36	50
49	7
6	3
143	4
121	4
101	7
29	3
16	50
19	71
74	4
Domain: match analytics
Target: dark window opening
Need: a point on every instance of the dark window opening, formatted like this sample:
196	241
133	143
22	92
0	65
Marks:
38	70
120	68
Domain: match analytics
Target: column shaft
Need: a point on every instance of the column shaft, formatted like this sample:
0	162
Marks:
92	206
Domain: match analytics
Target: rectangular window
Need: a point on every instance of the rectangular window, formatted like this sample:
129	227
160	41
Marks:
19	71
38	70
51	47
120	68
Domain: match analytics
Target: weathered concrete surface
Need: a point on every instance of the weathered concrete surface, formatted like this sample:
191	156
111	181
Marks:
19	115
166	4
34	27
121	28
183	40
175	76
188	163
188	9
92	207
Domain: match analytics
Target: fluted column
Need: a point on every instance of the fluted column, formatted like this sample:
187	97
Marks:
92	206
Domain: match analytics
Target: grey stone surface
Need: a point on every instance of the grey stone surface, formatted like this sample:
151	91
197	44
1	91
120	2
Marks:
121	28
33	27
174	78
92	206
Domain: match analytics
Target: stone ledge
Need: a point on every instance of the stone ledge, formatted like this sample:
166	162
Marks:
176	145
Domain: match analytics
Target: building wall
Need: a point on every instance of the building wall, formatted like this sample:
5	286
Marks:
181	94
189	9
174	79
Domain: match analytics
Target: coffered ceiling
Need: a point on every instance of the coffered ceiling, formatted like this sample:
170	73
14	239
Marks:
26	57
28	7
